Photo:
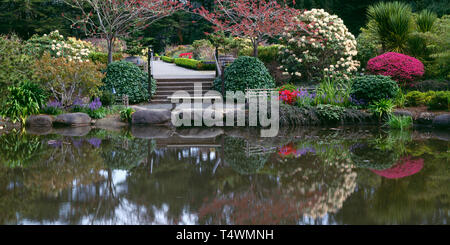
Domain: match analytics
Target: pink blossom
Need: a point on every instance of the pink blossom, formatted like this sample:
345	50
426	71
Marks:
402	68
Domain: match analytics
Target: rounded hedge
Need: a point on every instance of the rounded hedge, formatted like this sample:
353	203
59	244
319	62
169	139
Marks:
127	79
402	68
372	88
245	73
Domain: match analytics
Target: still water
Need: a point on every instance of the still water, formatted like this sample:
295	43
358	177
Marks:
196	176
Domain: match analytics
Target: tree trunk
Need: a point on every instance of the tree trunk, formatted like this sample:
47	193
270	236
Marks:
255	49
110	50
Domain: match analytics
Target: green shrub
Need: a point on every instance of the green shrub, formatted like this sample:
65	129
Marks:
23	101
373	88
330	113
203	66
15	65
288	86
440	101
125	114
107	98
245	73
367	48
400	122
167	59
432	85
188	63
125	78
416	98
266	54
103	57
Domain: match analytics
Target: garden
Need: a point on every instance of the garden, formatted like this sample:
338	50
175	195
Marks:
364	108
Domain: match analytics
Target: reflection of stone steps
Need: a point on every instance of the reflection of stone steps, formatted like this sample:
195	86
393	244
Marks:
167	86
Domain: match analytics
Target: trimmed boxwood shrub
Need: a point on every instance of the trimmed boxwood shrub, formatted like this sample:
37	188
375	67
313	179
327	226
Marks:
188	63
434	85
167	59
373	88
416	98
245	72
126	78
103	57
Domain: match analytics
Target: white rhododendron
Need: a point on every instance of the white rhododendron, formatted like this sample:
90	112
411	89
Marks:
318	44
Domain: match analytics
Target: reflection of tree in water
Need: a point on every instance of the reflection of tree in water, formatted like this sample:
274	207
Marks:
238	154
316	183
36	190
173	187
18	148
419	198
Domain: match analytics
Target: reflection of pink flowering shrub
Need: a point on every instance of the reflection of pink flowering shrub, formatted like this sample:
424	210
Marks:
404	168
401	68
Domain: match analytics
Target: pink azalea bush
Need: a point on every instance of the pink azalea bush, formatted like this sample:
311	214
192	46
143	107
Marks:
402	68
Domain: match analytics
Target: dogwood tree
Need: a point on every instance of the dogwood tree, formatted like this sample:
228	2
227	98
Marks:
253	19
111	19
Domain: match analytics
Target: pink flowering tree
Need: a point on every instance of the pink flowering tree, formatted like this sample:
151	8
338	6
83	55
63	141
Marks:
404	168
253	19
402	68
111	19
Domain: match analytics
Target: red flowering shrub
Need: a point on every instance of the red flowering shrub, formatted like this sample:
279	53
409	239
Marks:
405	167
186	55
287	96
402	68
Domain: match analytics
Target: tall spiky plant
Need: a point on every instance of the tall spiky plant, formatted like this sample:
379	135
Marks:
425	20
392	23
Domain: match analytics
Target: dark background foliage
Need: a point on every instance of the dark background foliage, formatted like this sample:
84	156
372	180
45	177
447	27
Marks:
28	17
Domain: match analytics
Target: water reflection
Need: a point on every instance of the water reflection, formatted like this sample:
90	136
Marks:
310	176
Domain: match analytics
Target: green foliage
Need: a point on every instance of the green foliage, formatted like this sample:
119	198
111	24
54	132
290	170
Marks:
334	92
203	49
134	47
266	54
382	108
15	65
400	122
236	157
94	114
167	59
441	101
434	85
127	79
416	98
245	73
367	46
23	101
425	20
330	113
374	88
18	149
107	98
392	23
126	114
288	86
51	110
103	57
194	64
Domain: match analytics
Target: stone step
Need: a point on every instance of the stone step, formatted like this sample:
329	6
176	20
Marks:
204	83
176	88
170	92
190	80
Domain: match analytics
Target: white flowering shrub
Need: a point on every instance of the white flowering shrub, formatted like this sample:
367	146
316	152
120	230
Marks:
317	44
58	46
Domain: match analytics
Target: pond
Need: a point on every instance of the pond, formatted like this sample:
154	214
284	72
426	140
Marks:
303	176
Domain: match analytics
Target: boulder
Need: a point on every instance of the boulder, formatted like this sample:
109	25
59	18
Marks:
442	121
73	132
199	133
113	122
151	117
73	119
403	113
151	132
39	121
425	118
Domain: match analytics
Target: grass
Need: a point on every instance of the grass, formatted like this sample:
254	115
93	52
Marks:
400	122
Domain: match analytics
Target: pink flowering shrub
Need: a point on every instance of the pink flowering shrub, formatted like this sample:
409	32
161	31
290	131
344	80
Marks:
402	68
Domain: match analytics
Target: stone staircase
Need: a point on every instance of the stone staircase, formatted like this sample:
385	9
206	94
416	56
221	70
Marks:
167	86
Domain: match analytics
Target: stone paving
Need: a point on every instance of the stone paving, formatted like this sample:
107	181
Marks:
164	70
